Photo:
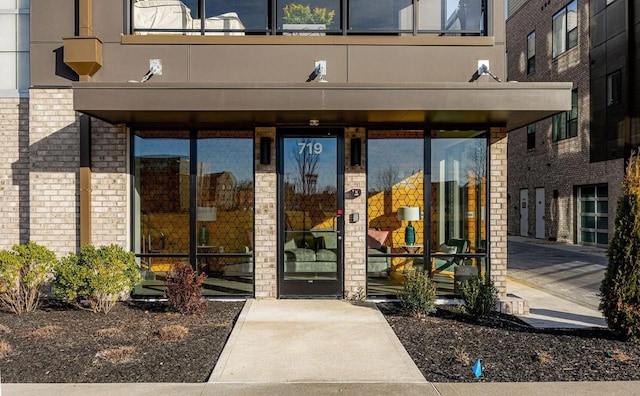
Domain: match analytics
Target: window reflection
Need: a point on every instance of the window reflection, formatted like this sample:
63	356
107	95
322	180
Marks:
395	180
371	15
163	203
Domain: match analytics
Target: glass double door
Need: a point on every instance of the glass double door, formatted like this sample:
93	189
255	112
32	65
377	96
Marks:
310	215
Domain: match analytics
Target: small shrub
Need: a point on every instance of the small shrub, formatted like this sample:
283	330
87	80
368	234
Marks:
122	354
23	274
418	296
620	288
110	332
172	333
96	276
543	357
5	349
299	13
184	289
480	297
45	332
461	356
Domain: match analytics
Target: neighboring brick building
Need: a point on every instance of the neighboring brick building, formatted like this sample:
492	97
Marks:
223	156
565	172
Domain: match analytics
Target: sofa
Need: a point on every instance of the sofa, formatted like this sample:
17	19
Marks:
313	251
378	265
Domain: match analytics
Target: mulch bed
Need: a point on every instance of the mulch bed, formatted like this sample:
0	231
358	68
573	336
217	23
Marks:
61	344
446	345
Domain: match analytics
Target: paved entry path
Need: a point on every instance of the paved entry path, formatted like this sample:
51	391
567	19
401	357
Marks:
313	341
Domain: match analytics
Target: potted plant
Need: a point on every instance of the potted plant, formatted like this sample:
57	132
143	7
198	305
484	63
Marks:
297	17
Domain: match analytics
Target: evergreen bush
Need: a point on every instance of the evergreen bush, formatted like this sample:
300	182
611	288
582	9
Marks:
620	288
418	296
480	297
184	289
24	272
96	277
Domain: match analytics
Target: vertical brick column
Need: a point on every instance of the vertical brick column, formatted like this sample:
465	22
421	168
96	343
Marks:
498	208
54	152
109	185
14	171
265	218
355	234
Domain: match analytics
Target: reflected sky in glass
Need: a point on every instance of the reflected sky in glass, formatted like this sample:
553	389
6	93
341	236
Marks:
324	149
404	156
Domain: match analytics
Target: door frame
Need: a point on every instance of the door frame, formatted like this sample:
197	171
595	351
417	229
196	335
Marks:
540	213
310	288
524	212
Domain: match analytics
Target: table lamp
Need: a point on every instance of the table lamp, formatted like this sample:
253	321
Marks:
409	214
205	214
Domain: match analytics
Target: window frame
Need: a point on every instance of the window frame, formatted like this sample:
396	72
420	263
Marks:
565	125
531	136
341	20
614	88
531	52
569	37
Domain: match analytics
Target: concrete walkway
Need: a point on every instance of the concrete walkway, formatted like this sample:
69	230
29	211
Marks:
313	341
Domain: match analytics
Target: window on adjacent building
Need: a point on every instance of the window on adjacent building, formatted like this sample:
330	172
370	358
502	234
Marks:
14	48
614	88
565	28
565	125
531	136
531	52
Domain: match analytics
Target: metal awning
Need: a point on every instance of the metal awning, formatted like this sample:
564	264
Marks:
171	104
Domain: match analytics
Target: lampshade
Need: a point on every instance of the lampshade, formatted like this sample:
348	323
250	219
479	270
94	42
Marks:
206	213
409	213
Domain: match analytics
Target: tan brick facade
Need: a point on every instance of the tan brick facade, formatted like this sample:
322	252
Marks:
498	208
266	220
14	165
559	166
355	234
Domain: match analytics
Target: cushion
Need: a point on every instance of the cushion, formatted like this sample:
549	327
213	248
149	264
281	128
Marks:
326	255
300	254
376	238
444	248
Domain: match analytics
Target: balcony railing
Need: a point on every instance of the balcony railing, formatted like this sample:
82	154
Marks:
321	17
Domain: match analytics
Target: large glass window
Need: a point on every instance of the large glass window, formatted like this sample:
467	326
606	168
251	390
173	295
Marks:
437	227
395	204
565	28
458	206
200	212
313	17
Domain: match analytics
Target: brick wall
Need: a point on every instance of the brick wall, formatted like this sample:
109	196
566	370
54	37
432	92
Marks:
355	243
54	170
561	165
265	252
109	185
498	208
14	171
